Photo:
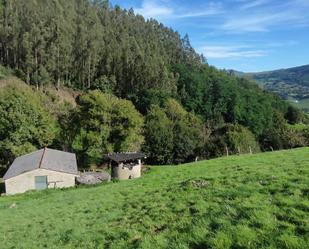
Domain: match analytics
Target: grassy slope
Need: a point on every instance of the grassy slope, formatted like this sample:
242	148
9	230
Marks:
258	201
302	104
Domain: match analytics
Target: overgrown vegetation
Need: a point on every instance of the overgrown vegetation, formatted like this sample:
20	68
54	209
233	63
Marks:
24	124
172	134
258	201
103	124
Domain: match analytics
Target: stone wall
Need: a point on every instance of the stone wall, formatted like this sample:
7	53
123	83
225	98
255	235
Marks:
123	173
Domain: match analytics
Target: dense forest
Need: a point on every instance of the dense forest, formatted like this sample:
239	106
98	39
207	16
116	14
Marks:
138	85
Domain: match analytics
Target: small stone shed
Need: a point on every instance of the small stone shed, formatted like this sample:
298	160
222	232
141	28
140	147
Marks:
126	165
45	168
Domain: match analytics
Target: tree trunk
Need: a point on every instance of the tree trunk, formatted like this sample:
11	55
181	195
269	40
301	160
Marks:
89	70
227	150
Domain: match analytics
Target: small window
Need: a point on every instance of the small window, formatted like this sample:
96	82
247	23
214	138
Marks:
40	182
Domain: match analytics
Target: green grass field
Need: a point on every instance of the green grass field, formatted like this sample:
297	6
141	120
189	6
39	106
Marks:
302	104
250	201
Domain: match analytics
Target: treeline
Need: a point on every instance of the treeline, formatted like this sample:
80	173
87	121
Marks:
89	44
99	123
140	86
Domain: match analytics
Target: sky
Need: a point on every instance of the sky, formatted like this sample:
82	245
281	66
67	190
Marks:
244	35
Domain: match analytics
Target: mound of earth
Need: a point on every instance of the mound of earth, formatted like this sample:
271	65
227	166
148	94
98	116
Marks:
90	178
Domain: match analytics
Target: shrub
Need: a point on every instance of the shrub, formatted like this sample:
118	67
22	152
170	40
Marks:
104	123
234	137
24	124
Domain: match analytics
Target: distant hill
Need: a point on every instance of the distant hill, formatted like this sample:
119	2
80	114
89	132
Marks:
291	84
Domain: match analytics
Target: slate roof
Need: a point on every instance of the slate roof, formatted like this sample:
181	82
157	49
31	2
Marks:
45	159
125	156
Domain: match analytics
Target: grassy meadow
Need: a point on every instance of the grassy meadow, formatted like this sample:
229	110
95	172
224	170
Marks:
249	201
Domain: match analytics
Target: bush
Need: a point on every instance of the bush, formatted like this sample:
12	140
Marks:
158	137
240	138
102	124
172	135
234	137
24	124
294	115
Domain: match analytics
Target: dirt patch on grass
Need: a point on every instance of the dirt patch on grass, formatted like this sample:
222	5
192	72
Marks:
196	183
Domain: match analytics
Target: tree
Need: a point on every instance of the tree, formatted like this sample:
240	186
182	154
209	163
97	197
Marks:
273	136
88	45
75	43
151	97
306	135
231	139
240	140
158	134
102	124
127	124
24	125
187	130
172	135
188	138
293	115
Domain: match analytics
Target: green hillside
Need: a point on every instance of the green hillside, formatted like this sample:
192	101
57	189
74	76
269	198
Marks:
250	201
301	104
99	78
291	83
294	75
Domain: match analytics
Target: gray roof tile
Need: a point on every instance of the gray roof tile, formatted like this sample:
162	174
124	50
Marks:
46	159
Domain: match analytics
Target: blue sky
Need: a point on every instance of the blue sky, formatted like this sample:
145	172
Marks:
245	35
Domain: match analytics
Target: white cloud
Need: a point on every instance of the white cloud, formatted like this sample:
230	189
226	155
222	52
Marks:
253	4
153	9
208	12
165	10
250	23
210	9
255	18
220	52
281	44
241	17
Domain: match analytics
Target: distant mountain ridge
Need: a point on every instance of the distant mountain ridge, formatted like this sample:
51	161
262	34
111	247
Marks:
291	84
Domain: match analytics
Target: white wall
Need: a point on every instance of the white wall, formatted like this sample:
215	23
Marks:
123	173
25	181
